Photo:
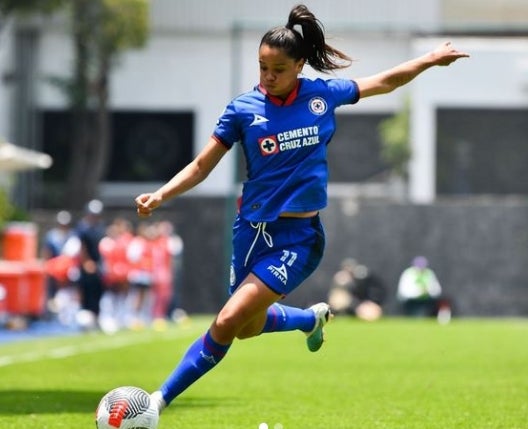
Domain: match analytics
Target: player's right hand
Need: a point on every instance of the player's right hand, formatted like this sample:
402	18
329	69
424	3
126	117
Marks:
147	203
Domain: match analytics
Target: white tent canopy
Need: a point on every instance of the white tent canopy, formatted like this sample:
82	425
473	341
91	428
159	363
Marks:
16	158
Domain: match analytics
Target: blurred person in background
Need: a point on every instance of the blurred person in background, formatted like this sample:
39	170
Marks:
56	266
113	247
55	238
355	290
175	310
140	256
89	231
284	125
420	293
163	273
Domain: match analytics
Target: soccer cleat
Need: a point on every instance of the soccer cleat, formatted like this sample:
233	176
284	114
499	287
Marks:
157	399
315	338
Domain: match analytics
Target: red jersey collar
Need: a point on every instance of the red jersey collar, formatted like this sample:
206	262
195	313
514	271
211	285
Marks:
279	101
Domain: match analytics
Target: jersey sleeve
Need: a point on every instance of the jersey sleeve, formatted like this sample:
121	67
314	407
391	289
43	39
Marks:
344	91
227	129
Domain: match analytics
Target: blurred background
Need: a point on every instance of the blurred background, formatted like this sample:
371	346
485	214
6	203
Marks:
105	99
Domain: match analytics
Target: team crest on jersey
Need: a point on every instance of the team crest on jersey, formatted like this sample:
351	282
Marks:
268	145
317	106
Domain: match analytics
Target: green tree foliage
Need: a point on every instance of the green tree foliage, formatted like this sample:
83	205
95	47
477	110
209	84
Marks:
102	30
125	25
6	209
9	7
396	147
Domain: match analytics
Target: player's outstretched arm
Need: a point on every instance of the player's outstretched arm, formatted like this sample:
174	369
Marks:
190	176
389	80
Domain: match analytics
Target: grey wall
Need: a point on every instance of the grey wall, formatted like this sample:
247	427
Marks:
478	248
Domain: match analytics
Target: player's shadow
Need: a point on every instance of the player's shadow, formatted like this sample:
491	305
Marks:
47	401
26	402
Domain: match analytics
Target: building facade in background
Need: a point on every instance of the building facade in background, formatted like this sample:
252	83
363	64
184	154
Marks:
166	97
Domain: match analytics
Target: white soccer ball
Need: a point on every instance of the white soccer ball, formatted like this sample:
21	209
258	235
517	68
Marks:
126	407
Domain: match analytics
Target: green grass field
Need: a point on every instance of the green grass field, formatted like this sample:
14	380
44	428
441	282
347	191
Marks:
392	374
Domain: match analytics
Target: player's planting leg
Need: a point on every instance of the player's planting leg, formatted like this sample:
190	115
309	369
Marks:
202	356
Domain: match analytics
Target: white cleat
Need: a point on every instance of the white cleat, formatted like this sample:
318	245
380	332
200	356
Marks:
315	338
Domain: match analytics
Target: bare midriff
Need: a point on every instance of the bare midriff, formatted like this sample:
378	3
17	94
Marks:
299	215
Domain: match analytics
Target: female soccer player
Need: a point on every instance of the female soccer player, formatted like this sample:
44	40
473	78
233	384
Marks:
284	125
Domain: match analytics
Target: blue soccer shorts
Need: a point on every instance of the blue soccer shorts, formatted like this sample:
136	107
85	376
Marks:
282	253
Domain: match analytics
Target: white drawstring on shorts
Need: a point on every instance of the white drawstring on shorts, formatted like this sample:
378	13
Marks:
261	229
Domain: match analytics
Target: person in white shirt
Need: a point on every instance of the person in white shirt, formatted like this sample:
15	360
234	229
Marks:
419	290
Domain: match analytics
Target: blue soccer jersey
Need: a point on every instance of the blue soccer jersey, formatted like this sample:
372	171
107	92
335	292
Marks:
284	143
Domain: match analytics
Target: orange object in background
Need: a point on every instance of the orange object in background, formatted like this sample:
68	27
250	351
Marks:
36	278
25	287
60	267
3	306
15	285
20	241
22	275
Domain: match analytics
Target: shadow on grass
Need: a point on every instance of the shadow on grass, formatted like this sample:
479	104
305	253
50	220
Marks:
26	402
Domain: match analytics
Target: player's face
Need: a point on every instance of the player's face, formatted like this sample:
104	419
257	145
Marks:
278	71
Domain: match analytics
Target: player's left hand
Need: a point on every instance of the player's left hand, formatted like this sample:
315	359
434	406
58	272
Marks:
446	54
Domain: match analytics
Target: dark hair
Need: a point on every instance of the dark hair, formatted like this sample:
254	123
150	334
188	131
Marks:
310	45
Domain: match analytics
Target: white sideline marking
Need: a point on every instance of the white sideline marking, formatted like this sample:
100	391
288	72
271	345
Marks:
107	343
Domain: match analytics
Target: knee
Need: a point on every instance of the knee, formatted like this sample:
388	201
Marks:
225	321
230	325
226	326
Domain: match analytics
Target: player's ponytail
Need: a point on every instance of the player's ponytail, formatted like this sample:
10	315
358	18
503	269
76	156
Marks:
310	45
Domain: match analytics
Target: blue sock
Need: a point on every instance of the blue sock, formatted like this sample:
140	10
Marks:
202	356
284	318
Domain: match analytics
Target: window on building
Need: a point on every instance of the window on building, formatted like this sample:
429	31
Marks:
146	146
354	153
482	151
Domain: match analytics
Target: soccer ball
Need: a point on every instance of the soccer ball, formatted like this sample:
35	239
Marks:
126	407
